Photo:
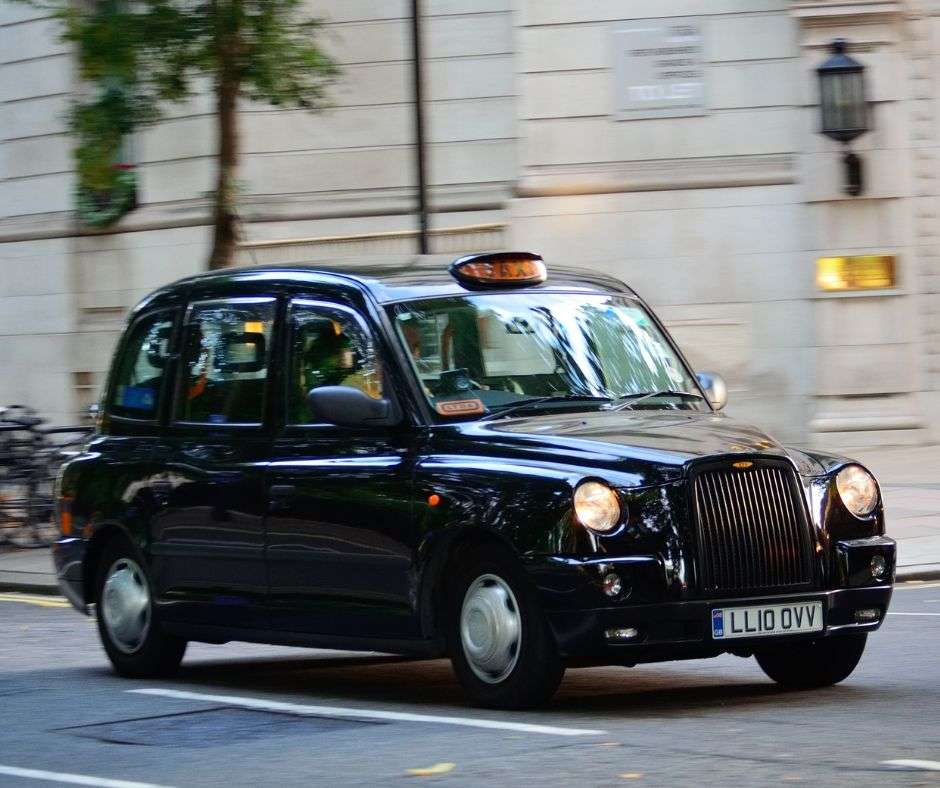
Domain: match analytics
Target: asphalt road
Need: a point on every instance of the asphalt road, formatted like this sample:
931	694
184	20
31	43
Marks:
251	715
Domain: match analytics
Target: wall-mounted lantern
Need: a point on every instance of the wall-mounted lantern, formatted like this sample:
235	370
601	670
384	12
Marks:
844	105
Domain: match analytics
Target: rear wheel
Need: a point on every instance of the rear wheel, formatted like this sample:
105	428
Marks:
127	622
502	650
819	663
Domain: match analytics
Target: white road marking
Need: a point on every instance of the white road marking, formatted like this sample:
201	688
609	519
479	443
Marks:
73	779
913	763
367	714
898	613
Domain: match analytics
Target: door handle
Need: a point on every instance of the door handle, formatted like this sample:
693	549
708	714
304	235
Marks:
227	477
279	496
161	489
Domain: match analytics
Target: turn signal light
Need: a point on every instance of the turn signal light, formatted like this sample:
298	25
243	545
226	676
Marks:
65	515
612	584
500	269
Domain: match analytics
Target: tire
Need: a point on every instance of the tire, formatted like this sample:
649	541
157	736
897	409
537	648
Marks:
128	624
820	663
500	645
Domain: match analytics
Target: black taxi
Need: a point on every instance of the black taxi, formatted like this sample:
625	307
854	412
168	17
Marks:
496	460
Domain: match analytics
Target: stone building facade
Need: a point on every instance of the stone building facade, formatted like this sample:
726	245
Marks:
715	214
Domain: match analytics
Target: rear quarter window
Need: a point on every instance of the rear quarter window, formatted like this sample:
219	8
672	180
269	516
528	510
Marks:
137	380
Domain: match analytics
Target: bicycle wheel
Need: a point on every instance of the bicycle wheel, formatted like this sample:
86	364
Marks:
14	510
39	527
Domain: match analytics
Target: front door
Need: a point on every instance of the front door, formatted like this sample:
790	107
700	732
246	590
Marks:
208	535
341	535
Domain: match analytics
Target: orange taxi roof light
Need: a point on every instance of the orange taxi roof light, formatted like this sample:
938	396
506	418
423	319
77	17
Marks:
500	269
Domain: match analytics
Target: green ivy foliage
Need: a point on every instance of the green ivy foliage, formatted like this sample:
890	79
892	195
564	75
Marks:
141	54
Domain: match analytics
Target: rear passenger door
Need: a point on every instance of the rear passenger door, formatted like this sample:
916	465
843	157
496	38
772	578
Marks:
208	537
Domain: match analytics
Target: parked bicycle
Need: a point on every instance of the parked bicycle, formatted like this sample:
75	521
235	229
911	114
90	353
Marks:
30	458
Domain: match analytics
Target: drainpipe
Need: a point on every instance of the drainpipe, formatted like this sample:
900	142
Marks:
420	163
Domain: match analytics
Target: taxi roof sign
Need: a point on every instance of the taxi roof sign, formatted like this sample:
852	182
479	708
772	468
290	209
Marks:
500	269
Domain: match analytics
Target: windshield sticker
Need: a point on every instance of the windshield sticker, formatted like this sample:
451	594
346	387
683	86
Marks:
138	398
461	407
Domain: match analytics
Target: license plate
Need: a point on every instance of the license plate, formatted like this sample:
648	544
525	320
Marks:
762	620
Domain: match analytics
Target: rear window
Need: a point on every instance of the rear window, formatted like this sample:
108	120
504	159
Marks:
226	353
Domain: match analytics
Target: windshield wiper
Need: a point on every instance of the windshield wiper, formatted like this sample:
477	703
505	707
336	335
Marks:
534	402
629	400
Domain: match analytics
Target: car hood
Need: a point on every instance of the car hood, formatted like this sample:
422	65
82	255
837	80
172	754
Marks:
651	446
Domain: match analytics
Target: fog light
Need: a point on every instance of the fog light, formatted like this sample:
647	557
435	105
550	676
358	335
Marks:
866	615
612	584
878	566
620	635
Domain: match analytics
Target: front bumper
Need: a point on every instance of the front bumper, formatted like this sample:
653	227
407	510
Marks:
682	630
671	623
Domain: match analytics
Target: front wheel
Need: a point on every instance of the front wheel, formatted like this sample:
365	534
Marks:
819	663
502	650
127	622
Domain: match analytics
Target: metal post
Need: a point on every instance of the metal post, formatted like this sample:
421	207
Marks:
420	164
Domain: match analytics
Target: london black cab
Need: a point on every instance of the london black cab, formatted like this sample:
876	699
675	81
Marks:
497	460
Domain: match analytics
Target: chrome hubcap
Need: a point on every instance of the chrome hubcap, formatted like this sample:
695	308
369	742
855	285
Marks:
490	628
125	605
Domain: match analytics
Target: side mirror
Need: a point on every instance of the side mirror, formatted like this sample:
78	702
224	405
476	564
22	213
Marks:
347	406
715	388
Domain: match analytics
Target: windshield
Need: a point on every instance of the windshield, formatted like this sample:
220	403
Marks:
488	353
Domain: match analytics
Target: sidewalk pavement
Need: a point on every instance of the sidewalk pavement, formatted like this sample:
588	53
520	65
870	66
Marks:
910	483
27	570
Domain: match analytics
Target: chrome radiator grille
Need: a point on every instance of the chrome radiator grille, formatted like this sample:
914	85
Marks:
751	529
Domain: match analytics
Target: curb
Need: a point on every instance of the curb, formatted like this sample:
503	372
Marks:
30	587
919	572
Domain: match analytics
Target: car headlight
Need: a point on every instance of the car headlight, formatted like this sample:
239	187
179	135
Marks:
858	490
597	506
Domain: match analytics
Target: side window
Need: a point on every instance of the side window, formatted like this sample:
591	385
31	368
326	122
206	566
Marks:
225	361
329	346
138	373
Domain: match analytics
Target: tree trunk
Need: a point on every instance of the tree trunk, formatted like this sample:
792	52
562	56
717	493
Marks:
225	217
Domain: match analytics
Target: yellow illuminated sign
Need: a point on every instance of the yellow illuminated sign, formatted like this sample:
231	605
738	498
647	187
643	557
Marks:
252	327
501	268
856	272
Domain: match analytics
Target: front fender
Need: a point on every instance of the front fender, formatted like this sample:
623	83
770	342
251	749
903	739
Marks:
527	509
526	506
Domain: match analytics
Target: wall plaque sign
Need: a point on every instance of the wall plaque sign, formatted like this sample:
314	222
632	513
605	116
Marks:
659	68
